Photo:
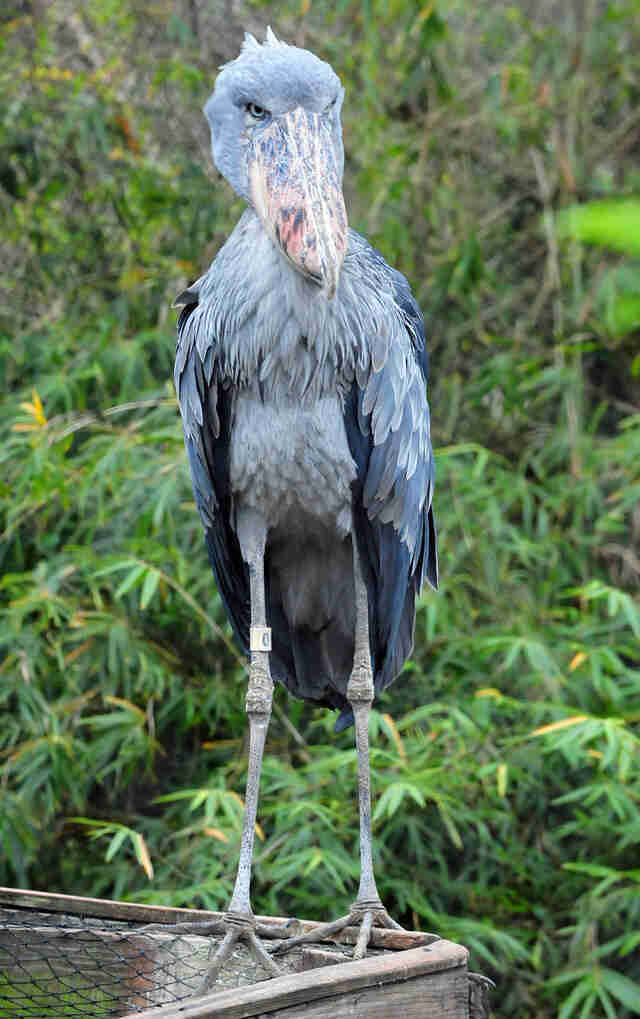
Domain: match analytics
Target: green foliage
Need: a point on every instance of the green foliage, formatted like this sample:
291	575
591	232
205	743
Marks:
614	223
488	151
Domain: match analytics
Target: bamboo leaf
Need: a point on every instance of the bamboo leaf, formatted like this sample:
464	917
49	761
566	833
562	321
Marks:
151	581
132	578
623	989
563	723
142	854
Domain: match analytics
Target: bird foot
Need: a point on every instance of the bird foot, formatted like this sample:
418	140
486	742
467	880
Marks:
239	927
235	927
365	914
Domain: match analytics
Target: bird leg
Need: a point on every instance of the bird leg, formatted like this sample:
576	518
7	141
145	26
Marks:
368	909
239	921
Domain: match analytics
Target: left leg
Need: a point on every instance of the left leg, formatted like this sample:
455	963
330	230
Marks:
367	910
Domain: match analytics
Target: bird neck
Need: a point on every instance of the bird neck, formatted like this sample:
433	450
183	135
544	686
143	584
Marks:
272	323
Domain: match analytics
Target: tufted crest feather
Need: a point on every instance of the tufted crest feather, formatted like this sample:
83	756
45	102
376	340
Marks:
251	47
249	43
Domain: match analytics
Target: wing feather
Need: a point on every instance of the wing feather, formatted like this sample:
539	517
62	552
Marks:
205	405
387	422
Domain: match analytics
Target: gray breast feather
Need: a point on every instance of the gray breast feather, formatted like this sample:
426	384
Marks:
371	332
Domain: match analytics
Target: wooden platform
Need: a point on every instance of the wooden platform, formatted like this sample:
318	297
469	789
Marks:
65	955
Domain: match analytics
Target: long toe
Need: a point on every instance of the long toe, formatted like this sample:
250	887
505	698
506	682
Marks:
219	959
363	916
375	916
324	932
382	919
238	928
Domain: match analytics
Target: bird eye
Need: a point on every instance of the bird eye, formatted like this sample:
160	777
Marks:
255	111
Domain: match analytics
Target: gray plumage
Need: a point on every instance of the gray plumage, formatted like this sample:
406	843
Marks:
301	377
312	412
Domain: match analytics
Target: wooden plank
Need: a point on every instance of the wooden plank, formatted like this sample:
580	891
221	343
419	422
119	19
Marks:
133	912
334	983
437	996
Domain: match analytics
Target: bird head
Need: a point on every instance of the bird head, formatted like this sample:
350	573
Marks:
277	138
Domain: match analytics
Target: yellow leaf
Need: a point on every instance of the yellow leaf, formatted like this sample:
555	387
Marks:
39	410
259	832
216	834
54	73
78	651
577	660
220	744
563	723
425	13
502	776
397	738
489	691
36	411
120	702
143	855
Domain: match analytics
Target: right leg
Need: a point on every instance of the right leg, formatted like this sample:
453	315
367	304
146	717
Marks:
367	910
239	920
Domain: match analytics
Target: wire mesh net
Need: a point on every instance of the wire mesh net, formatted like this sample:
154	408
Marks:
53	964
58	960
70	964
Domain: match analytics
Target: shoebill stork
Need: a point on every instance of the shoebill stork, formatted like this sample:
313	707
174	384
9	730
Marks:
301	377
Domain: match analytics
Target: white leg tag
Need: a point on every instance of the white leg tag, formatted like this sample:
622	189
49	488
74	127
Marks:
260	638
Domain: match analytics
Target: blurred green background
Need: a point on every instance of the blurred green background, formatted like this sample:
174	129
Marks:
492	154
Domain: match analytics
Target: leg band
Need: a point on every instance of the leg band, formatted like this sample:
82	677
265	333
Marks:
260	638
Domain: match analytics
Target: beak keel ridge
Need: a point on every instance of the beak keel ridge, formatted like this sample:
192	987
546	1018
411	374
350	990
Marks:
296	191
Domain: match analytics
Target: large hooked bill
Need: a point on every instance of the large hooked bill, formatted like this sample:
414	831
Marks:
295	188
